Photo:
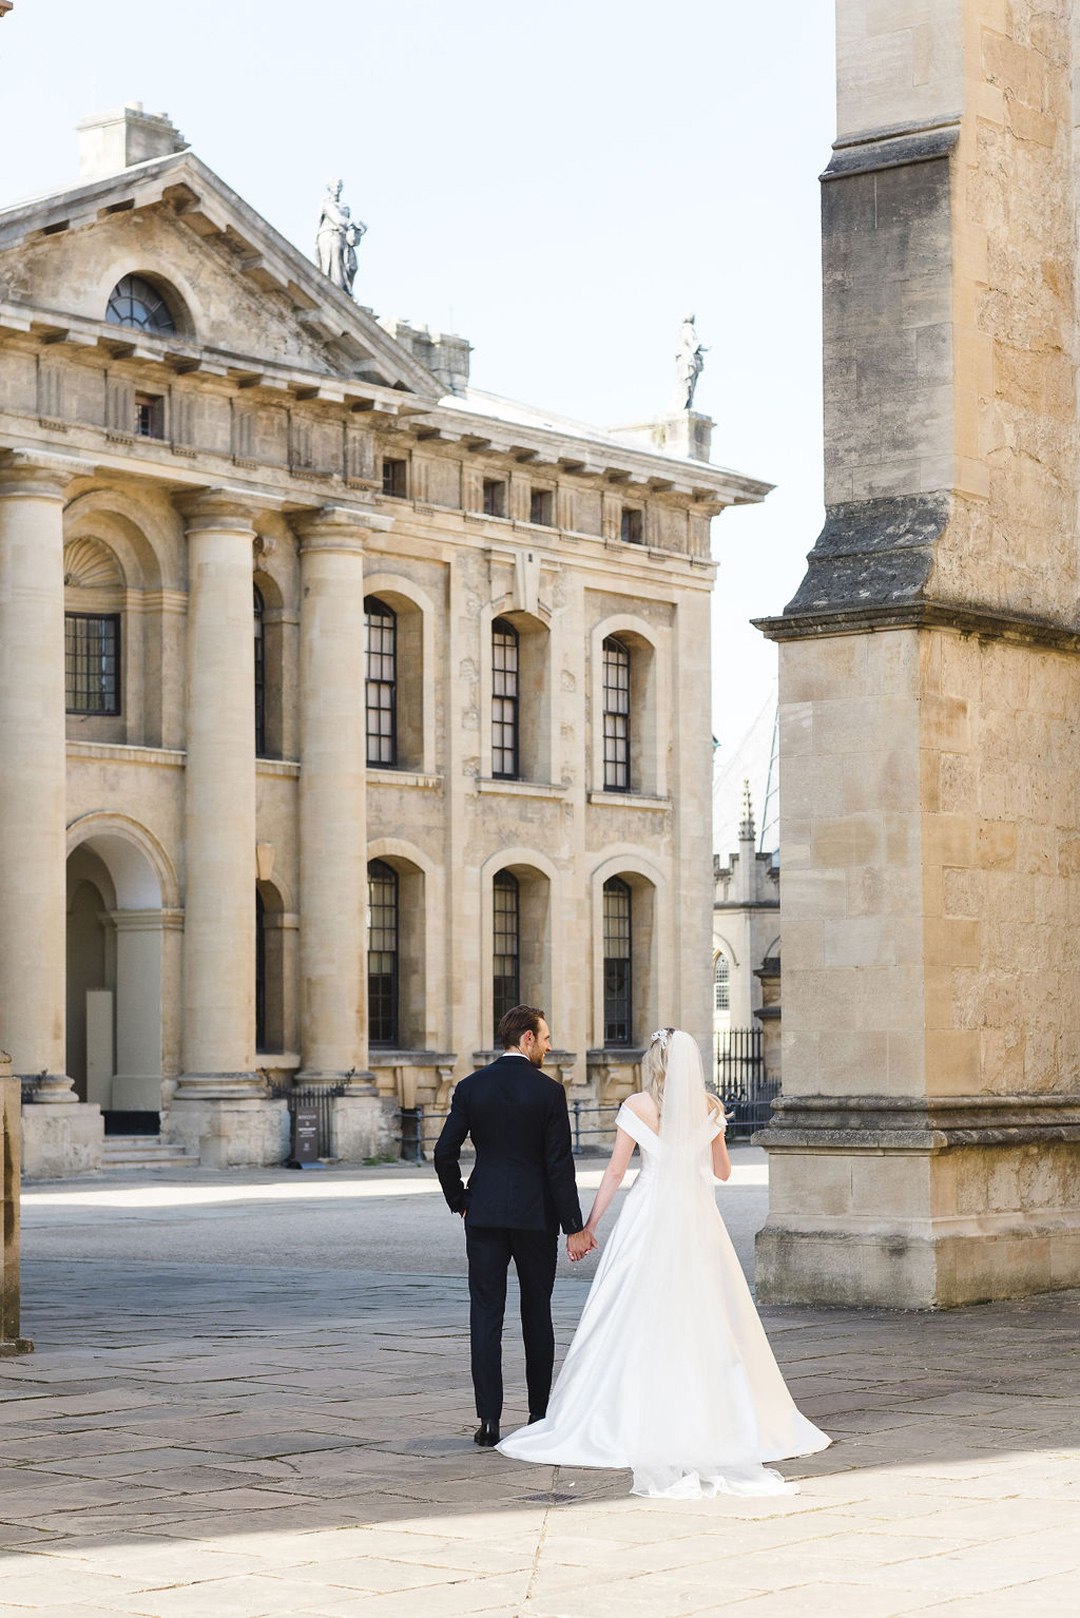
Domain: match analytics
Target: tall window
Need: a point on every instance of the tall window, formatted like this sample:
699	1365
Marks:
616	962
506	963
380	622
616	716
394	478
504	700
722	980
631	526
150	415
494	497
542	507
382	953
260	676
135	302
260	973
92	663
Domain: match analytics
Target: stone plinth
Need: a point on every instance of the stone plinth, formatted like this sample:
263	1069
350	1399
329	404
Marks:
61	1141
229	1132
363	1126
10	1151
685	433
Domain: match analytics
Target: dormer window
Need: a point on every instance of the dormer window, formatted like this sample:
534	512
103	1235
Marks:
135	302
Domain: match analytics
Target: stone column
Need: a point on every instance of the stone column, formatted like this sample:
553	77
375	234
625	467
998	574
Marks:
927	1147
332	820
10	1164
33	909
218	1108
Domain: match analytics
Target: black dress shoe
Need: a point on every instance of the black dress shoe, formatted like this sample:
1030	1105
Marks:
487	1434
536	1416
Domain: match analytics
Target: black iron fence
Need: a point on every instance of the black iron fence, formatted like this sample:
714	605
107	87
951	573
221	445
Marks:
742	1082
318	1098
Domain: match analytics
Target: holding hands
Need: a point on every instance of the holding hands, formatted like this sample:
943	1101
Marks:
580	1243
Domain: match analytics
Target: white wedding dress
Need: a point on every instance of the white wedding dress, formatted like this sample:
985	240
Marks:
670	1372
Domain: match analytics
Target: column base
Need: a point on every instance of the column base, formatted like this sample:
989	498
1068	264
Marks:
229	1132
363	1126
357	1082
51	1089
58	1142
220	1087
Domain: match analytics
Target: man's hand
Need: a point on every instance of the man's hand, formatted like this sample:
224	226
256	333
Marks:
580	1243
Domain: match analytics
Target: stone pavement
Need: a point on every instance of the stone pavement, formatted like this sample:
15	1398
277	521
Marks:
226	1440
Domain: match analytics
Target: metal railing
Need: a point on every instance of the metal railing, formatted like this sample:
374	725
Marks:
742	1081
320	1098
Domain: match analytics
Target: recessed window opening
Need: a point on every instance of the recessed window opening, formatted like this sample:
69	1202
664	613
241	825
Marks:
722	983
380	622
260	675
134	301
632	528
92	663
149	415
542	508
616	716
505	663
394	478
506	953
494	498
260	973
617	960
382	954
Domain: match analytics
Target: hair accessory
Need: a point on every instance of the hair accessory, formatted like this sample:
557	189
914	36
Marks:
661	1037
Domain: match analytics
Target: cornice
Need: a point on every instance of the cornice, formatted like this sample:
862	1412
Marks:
984	622
919	1124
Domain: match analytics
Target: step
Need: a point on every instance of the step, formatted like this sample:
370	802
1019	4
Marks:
145	1151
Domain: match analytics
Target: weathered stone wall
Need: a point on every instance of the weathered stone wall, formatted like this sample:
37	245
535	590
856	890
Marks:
11	1342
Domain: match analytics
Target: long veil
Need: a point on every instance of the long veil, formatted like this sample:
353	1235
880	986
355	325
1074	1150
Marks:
696	1429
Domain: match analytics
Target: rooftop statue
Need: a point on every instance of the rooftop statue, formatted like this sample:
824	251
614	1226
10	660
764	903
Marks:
337	239
689	364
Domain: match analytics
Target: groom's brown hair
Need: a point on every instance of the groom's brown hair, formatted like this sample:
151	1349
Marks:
517	1021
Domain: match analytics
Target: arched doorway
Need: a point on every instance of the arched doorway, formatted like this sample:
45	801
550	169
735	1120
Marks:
114	948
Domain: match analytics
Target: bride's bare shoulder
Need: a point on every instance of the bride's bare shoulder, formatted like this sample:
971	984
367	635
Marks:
643	1104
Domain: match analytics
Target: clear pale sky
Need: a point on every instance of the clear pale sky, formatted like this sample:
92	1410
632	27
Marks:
560	183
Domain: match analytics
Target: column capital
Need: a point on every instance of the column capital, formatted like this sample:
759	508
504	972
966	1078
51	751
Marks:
28	471
224	507
338	528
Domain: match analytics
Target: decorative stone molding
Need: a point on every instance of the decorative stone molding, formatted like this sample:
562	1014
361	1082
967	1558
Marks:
918	1124
90	565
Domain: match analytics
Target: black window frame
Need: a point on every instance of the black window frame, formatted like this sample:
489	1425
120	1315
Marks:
395	477
104	711
380	691
618	956
260	671
505	930
383	998
505	701
617	676
135	302
494	497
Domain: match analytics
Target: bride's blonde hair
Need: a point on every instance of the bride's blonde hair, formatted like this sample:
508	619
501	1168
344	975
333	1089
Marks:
654	1072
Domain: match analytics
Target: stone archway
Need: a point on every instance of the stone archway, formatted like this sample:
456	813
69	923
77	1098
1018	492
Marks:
114	972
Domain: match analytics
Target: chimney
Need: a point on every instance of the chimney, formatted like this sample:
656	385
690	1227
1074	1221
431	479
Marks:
110	142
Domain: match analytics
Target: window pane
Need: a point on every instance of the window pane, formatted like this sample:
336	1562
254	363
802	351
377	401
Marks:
382	953
135	302
504	699
260	677
505	964
617	962
381	683
92	663
723	984
616	716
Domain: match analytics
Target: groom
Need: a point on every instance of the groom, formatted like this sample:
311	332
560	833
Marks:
520	1191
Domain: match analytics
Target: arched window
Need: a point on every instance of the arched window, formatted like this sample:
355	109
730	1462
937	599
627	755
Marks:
617	962
722	981
506	961
616	716
382	953
380	622
260	973
504	700
135	302
260	677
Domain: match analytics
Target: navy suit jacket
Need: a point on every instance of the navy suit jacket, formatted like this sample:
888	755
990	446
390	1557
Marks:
523	1178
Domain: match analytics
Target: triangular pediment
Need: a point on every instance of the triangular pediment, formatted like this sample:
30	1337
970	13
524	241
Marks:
243	294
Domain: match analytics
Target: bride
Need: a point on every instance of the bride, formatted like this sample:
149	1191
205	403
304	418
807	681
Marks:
670	1372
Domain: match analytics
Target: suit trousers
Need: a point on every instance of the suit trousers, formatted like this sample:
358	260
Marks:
535	1254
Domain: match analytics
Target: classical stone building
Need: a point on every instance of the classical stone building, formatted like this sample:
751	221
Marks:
242	841
927	1147
746	940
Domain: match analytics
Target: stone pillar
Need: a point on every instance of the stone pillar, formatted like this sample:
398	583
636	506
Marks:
927	1148
332	821
10	1165
219	1108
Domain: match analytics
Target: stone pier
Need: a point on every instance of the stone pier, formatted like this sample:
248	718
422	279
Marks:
927	1150
10	1168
